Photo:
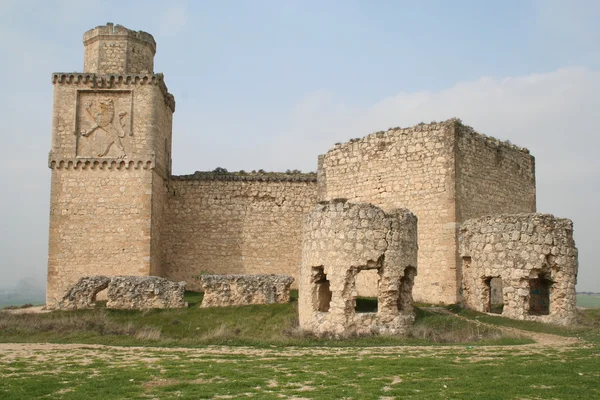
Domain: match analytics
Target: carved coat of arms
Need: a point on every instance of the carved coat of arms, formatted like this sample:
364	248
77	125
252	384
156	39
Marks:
102	118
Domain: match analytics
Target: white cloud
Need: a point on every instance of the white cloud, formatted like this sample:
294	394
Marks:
553	114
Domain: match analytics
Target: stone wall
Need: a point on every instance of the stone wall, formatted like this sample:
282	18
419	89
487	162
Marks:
124	292
114	49
340	240
99	223
82	295
241	290
535	257
443	172
145	292
493	177
405	168
235	224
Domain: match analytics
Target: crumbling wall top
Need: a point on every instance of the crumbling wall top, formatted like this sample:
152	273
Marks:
424	128
116	32
114	49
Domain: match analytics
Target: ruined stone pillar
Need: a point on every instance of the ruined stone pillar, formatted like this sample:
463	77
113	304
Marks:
534	259
342	239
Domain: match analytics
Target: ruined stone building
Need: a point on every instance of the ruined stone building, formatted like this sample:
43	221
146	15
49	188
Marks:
116	208
343	240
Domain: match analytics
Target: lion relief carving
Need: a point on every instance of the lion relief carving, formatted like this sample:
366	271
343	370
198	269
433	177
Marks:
101	117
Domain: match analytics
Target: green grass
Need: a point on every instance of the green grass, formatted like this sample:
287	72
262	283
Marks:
285	364
351	373
588	301
255	325
587	327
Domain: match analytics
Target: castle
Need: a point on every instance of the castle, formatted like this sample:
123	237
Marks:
116	209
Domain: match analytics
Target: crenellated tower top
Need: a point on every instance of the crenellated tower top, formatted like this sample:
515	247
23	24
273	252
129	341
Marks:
114	49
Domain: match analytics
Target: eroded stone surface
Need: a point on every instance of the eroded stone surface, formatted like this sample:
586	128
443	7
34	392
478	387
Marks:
145	292
535	257
240	290
340	240
125	292
82	295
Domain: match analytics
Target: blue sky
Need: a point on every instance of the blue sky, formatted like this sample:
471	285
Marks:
272	84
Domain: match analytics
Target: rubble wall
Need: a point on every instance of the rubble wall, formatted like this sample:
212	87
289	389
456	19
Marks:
411	168
144	292
82	294
521	249
124	292
241	290
340	240
230	224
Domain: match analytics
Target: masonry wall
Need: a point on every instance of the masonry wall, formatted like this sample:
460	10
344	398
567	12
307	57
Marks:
409	168
114	49
157	225
99	223
520	249
235	225
107	201
162	142
343	240
492	177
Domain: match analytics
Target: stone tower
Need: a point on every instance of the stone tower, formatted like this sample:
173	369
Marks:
110	161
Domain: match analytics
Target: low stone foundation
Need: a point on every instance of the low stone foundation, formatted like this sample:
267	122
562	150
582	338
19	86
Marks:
529	259
241	290
125	292
342	239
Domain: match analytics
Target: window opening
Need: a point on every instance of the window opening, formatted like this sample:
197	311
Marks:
321	290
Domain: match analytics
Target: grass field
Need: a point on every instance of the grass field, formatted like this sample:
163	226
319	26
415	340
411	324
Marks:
205	354
588	300
299	373
256	325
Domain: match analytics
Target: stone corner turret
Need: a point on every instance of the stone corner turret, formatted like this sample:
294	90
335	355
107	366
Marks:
114	49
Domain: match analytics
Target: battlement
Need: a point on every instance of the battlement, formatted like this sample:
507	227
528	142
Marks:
111	49
110	164
114	81
249	177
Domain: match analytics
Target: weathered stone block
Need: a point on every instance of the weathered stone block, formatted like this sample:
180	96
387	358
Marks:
145	292
240	290
82	295
125	292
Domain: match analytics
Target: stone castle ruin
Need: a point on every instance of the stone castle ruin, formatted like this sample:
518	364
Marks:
343	240
117	210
